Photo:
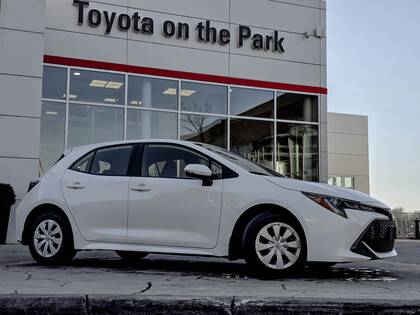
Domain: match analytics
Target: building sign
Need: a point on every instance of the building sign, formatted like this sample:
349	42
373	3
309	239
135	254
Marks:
204	31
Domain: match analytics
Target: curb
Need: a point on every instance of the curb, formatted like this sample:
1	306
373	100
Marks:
124	304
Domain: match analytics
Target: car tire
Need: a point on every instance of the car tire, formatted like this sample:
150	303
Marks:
50	240
274	245
131	256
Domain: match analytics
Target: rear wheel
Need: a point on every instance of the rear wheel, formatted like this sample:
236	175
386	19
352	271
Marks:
50	240
274	245
131	256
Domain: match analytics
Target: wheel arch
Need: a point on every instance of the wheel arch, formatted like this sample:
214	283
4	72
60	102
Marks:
236	239
37	211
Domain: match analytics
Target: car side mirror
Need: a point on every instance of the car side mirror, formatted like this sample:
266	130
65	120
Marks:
199	171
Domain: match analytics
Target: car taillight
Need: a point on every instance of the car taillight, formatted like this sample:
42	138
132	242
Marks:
32	184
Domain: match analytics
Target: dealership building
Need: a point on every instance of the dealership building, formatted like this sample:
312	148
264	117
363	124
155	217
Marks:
246	75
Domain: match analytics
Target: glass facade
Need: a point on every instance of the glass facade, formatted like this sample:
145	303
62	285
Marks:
277	129
341	181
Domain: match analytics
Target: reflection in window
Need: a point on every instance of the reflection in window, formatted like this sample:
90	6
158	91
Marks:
253	139
297	107
54	83
144	124
154	93
96	87
251	102
297	151
53	119
341	181
94	124
203	98
205	129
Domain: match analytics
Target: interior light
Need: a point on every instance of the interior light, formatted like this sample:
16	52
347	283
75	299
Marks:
51	113
72	96
76	73
170	91
111	100
113	85
187	92
135	103
98	83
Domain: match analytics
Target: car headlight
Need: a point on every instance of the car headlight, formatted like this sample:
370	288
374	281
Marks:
338	205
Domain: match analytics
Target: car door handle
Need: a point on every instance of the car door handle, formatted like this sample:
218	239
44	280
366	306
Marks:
141	187
76	185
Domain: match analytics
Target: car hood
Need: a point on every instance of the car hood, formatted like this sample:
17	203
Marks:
324	189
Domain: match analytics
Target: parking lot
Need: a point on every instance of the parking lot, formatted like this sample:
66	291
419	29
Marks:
393	281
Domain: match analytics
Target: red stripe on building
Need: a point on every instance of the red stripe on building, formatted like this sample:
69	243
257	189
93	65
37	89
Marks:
181	74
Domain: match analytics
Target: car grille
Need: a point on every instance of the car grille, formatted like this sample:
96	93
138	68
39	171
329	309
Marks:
379	236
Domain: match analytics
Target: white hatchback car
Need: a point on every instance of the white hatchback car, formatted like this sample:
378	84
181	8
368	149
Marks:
176	197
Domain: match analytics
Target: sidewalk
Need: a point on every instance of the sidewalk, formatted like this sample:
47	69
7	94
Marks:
102	304
99	282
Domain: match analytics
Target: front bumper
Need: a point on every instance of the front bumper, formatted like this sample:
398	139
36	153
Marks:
331	238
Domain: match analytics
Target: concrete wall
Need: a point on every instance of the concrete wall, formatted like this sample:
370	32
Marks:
348	148
21	53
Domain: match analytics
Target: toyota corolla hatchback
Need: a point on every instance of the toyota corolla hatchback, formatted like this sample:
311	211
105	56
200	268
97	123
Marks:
176	197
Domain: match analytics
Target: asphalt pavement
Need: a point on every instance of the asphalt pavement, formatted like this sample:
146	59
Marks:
99	282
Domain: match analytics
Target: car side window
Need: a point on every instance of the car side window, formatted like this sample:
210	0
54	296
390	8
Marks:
112	161
168	161
83	165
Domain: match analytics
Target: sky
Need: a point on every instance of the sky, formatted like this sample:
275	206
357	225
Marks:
373	69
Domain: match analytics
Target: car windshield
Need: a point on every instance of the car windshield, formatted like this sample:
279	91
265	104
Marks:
242	162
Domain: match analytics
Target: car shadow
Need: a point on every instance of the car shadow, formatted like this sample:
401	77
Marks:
201	267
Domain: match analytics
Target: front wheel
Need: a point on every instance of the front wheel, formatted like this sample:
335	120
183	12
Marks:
274	244
50	240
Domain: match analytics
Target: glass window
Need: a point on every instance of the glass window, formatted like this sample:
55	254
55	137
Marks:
251	102
54	83
253	139
297	107
341	181
96	87
242	162
152	93
94	124
168	161
205	129
53	120
216	169
297	151
112	161
203	98
145	124
83	165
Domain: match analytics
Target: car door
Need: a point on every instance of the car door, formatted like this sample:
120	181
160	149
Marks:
96	191
168	208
